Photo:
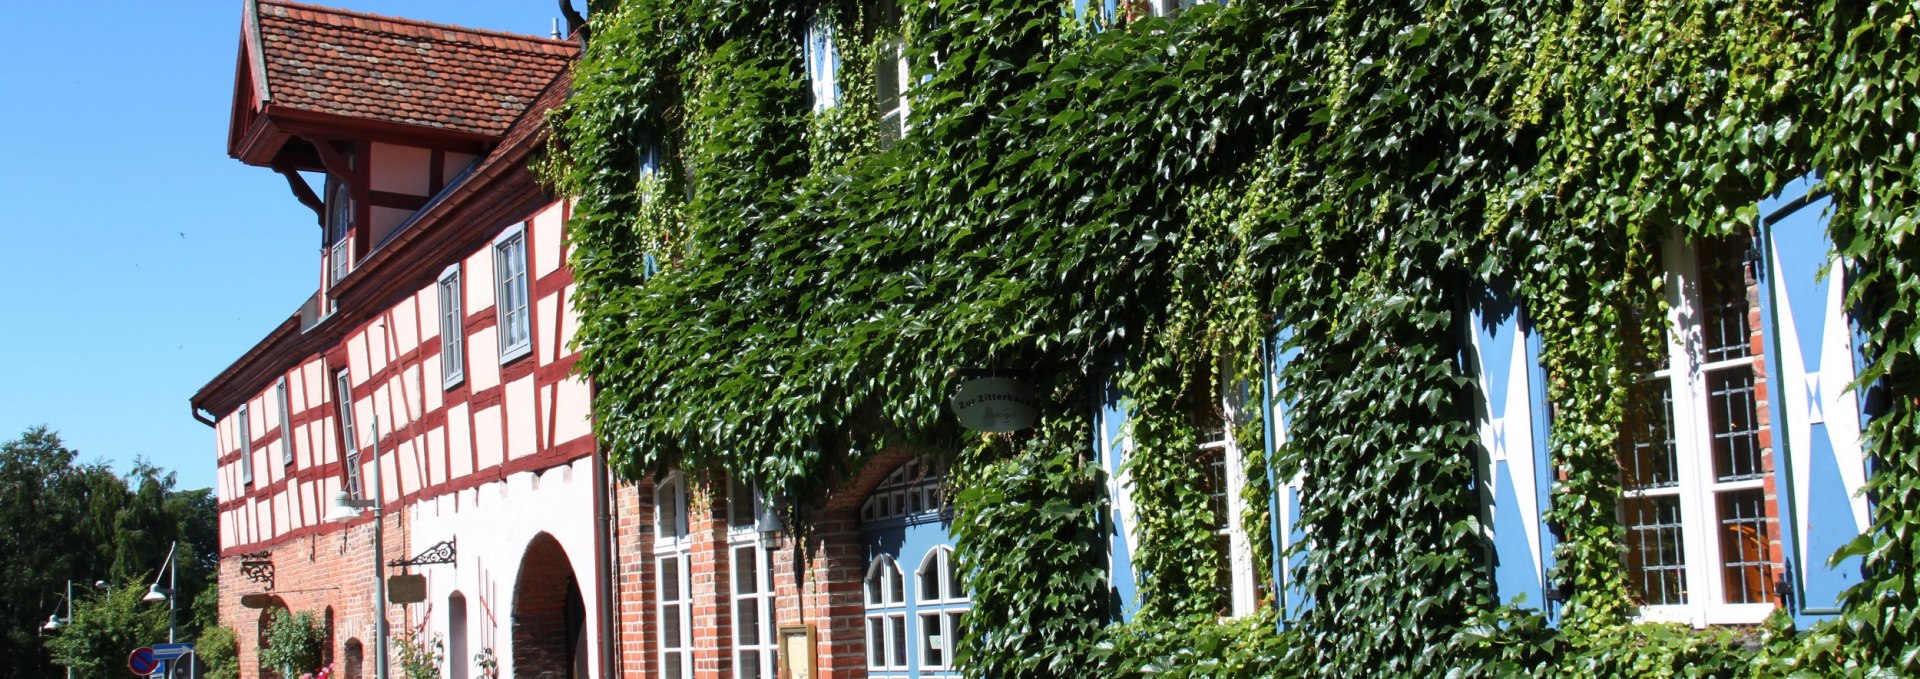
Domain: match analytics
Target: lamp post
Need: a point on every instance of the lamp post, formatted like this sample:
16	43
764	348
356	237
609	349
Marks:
156	593
55	622
347	508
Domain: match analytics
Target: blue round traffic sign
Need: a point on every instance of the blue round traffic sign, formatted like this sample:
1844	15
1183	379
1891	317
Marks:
142	661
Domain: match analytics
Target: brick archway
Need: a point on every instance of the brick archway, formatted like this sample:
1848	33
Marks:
549	615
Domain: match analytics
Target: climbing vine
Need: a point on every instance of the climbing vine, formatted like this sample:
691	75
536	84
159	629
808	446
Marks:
769	291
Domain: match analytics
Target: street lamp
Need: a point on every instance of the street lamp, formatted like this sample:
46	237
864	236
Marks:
55	622
345	509
157	594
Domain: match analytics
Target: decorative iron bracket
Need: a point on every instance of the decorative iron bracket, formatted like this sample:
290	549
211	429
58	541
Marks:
439	553
258	567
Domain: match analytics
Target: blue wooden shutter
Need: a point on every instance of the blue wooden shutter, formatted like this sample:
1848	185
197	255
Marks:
1111	445
1513	474
1816	419
1284	505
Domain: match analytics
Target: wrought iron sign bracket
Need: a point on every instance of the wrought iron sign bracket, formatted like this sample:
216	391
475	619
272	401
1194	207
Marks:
258	567
444	552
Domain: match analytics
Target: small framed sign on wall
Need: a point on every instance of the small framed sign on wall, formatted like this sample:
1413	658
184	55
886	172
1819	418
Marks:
797	659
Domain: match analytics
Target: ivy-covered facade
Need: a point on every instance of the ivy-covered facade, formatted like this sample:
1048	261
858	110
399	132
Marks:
1499	338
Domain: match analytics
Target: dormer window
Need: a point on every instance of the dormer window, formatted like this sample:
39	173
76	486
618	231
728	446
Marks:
339	231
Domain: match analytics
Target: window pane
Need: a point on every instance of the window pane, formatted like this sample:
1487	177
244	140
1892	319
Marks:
952	578
895	583
1651	460
897	647
672	634
749	622
1736	432
930	578
1745	538
932	646
1656	562
670	579
673	666
740	506
1724	302
886	68
746	563
876	644
750	666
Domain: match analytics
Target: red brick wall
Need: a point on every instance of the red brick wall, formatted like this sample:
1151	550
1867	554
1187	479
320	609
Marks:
312	574
827	598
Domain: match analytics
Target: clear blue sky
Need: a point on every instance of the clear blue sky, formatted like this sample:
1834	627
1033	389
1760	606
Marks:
137	259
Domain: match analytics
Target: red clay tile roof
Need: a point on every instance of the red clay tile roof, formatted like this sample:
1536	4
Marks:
400	70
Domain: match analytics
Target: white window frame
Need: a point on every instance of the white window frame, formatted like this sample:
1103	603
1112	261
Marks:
897	105
945	606
453	334
743	538
286	421
245	431
823	63
1168	8
1242	581
340	251
886	614
1686	370
349	439
511	286
672	544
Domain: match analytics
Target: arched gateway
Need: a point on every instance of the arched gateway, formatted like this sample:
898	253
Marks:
549	615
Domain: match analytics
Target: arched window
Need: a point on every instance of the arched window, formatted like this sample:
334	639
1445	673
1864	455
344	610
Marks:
940	602
886	617
913	489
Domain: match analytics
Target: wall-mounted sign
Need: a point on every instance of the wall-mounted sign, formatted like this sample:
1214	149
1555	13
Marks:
797	659
407	589
994	404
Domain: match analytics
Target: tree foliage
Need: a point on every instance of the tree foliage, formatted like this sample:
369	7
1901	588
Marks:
65	520
293	643
108	623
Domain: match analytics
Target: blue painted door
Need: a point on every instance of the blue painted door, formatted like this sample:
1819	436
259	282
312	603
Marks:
915	605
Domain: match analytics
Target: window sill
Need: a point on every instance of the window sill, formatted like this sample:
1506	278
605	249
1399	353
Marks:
454	382
515	352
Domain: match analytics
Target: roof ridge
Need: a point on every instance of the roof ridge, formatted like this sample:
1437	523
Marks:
484	32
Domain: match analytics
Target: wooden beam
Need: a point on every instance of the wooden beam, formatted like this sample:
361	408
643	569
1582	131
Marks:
398	201
337	166
303	192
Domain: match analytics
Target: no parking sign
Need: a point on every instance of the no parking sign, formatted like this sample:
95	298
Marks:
142	662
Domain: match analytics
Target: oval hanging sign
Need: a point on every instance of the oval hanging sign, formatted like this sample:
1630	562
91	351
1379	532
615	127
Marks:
994	404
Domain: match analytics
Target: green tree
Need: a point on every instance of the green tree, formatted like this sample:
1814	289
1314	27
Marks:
106	625
293	643
61	519
37	550
219	650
